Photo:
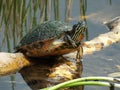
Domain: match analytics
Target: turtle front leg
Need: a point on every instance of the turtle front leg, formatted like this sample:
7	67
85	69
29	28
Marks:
79	54
79	59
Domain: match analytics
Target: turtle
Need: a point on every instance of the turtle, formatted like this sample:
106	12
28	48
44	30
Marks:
52	38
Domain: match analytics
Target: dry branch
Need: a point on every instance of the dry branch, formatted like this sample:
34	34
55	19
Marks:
12	62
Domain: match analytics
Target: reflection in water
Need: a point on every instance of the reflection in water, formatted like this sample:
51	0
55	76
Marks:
51	71
68	10
83	8
56	10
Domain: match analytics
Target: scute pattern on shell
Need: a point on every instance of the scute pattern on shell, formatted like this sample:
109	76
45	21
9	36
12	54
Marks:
46	30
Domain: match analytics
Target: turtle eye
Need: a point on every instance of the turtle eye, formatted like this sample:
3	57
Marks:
80	23
78	29
78	26
74	27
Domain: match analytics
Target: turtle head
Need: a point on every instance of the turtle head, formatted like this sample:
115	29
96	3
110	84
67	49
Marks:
76	34
78	30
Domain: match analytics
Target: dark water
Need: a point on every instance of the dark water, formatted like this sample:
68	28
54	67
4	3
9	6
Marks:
99	63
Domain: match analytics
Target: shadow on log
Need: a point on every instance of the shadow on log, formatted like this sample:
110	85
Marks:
51	71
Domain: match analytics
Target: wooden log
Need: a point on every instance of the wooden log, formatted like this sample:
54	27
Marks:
13	62
104	40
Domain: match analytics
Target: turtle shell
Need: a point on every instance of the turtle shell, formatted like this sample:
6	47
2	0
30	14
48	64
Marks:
47	39
44	31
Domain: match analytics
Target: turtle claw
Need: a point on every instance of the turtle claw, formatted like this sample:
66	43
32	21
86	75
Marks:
78	58
74	45
79	55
